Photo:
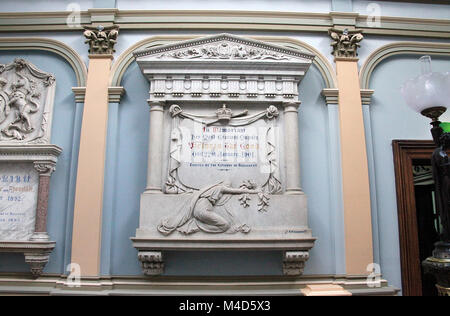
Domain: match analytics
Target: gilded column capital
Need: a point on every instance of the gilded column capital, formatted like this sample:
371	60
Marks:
345	43
101	39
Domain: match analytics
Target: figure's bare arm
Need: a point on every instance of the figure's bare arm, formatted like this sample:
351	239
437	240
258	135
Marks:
228	190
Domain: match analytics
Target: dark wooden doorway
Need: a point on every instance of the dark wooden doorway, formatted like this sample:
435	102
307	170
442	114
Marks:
415	214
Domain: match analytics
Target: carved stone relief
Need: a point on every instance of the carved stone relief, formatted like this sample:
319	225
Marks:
224	115
26	95
27	160
226	51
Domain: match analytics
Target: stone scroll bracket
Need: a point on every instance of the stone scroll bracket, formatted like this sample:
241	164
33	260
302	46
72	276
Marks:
294	262
37	261
152	262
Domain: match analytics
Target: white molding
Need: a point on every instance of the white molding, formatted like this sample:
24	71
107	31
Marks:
331	95
54	46
114	94
223	67
126	285
122	62
398	48
223	20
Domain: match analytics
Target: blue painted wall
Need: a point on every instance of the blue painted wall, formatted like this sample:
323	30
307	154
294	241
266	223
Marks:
390	119
65	131
128	138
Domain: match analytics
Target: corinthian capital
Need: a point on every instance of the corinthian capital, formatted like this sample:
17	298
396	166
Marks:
44	168
101	39
344	42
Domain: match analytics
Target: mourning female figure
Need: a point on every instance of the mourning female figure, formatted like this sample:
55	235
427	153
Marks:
200	215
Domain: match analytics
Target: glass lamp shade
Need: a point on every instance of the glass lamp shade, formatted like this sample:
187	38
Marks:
430	90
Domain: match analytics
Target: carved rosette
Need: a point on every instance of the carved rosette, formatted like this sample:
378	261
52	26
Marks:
101	39
152	262
294	262
345	43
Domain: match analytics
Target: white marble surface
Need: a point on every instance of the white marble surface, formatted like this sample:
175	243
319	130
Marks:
216	153
18	199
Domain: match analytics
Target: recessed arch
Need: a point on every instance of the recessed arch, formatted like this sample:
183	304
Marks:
398	48
126	58
54	46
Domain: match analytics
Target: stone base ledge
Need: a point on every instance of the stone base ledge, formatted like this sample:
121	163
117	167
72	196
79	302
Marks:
36	253
295	251
223	244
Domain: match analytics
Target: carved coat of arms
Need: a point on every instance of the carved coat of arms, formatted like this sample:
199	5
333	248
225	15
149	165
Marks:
24	110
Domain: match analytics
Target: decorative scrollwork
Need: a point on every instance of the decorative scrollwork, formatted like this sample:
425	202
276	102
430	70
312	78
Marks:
225	51
101	39
23	93
174	186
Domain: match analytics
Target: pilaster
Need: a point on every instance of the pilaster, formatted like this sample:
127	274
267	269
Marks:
292	155
86	239
355	173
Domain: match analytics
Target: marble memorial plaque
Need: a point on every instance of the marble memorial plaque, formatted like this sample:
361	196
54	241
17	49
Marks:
216	153
18	199
237	149
223	171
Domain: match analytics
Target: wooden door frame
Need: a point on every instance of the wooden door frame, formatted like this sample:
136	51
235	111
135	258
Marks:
405	151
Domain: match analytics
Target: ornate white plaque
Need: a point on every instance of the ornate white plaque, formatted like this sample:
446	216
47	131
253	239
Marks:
224	146
27	160
26	100
18	200
223	170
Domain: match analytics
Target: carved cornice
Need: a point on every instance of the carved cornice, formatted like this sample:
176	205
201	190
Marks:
366	96
223	20
101	39
345	42
222	47
31	153
114	94
80	94
331	96
227	68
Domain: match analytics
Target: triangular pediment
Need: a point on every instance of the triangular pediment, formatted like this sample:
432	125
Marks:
224	47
